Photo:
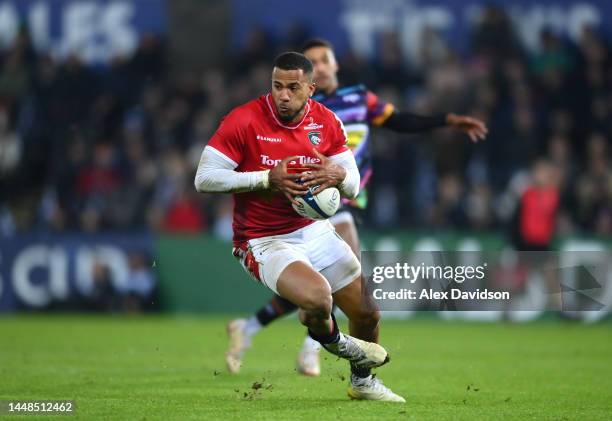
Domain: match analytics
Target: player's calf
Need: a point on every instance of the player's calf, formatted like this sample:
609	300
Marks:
309	290
364	323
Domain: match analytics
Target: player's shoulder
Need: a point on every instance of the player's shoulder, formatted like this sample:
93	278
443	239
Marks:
340	93
244	114
352	89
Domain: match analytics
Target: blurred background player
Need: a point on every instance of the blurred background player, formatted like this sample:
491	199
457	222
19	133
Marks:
537	209
532	232
535	225
297	258
358	108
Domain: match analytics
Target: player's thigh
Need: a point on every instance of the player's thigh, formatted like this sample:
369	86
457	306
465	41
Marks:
304	286
266	258
334	259
344	223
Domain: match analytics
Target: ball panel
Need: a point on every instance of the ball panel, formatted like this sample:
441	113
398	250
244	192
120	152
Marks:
322	206
329	201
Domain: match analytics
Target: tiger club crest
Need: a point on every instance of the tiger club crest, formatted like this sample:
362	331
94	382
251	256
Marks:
315	137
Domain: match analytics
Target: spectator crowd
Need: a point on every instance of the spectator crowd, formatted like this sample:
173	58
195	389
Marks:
116	148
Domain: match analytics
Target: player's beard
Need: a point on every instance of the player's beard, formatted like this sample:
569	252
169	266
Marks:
289	117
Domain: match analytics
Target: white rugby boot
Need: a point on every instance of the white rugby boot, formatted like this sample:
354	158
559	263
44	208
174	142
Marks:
372	389
239	342
360	353
308	361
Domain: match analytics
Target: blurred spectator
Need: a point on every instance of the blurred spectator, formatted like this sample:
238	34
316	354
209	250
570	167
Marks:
11	147
594	188
553	56
95	185
537	211
140	286
184	215
494	35
256	49
390	64
102	296
450	208
478	207
535	228
14	80
434	49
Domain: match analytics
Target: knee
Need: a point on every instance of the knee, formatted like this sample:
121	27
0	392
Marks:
317	298
317	304
366	318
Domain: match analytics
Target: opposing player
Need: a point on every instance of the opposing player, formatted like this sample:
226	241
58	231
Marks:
358	108
251	155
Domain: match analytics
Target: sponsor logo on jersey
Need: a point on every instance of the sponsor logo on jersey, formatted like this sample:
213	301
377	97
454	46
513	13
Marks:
267	161
312	125
315	137
269	139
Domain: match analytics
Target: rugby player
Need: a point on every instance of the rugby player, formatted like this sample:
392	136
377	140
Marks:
358	108
254	154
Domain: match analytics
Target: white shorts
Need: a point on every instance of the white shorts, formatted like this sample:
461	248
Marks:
317	245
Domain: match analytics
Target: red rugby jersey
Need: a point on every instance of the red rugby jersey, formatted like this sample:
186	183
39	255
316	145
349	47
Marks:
538	215
255	139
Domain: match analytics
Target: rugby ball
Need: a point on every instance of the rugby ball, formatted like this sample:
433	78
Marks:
321	206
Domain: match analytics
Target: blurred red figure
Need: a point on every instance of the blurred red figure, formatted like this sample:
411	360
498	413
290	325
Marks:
538	209
184	216
102	176
535	228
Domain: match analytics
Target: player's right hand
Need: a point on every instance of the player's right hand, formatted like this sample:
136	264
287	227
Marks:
286	182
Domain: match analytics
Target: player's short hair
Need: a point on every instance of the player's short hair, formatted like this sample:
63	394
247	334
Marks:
294	61
316	42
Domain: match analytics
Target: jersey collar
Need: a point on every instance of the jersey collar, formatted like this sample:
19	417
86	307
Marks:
280	123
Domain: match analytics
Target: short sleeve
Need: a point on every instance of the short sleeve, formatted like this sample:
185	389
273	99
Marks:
229	137
378	110
339	140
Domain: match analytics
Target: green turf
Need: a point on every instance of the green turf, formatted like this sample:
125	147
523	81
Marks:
172	368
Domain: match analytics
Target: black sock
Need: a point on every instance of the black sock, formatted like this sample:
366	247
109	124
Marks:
360	371
329	338
276	308
333	310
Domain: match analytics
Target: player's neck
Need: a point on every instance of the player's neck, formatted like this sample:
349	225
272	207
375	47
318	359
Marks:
298	117
295	120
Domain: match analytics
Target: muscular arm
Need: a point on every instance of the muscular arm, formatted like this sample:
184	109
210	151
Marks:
349	187
406	122
216	174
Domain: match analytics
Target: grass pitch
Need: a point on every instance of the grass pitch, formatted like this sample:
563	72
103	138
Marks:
172	368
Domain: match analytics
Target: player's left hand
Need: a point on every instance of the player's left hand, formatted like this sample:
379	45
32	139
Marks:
476	129
324	175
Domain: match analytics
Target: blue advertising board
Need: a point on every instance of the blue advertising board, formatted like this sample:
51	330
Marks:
96	30
38	271
358	24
